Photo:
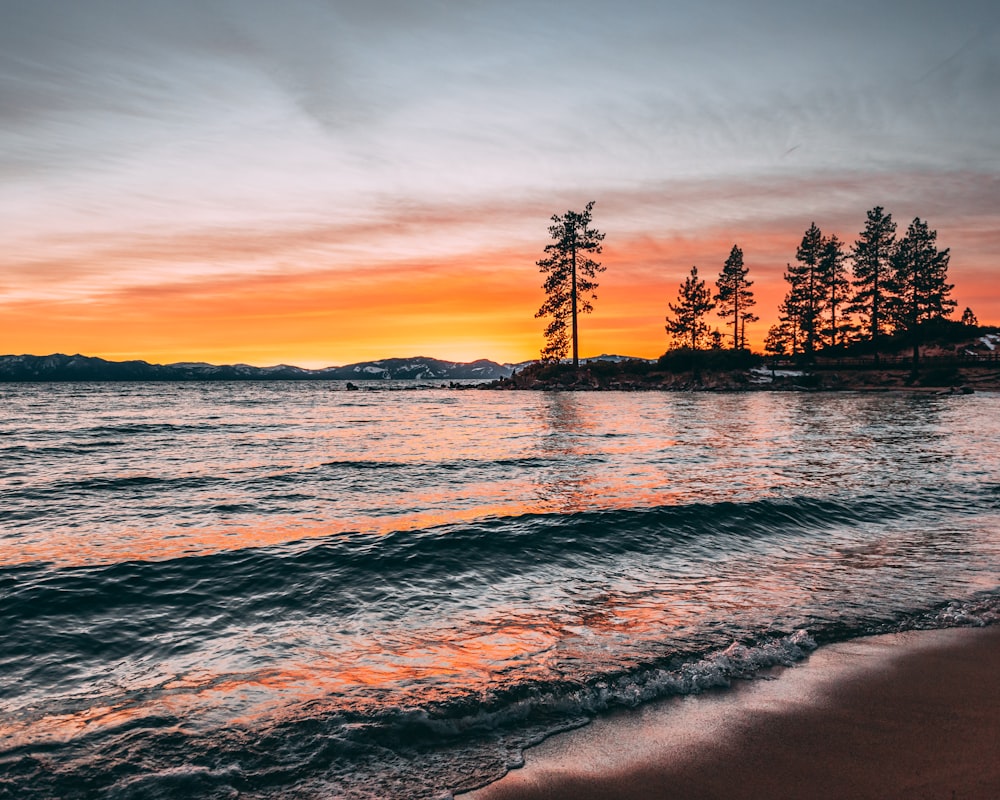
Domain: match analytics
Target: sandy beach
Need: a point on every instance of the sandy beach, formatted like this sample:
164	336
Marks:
914	715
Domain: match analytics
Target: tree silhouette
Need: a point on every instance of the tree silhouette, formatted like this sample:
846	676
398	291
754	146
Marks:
777	340
694	301
807	287
872	270
569	283
785	338
920	283
790	315
833	276
734	297
969	319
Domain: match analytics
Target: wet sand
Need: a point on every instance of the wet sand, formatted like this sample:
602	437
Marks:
913	715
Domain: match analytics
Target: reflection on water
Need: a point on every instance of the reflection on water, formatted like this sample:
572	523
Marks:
98	474
441	564
565	483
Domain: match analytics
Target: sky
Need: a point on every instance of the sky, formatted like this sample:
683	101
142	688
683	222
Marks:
321	182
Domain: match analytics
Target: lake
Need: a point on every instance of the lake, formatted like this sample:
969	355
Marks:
289	590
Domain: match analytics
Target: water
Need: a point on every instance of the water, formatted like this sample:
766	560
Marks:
294	591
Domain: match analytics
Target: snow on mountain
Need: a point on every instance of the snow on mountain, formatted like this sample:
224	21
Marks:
59	367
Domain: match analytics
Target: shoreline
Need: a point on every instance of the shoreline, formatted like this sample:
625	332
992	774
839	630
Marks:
952	391
645	376
906	715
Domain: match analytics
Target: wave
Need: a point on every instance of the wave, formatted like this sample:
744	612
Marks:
260	483
164	607
51	490
156	427
506	545
317	749
173	760
70	624
342	467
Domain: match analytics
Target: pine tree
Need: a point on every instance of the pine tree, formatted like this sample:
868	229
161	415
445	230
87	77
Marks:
835	286
969	319
807	288
734	297
920	283
789	316
778	339
872	271
569	283
688	326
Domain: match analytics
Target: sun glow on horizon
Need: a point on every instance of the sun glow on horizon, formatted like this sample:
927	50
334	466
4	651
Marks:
456	307
196	181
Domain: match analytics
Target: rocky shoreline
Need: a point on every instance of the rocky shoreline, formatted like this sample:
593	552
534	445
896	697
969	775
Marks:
642	376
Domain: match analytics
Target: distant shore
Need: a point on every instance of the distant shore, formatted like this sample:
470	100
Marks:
707	371
908	715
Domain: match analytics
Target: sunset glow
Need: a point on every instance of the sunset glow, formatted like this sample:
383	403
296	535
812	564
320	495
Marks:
186	184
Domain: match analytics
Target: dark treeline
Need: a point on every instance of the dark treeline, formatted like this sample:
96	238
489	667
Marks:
883	292
896	286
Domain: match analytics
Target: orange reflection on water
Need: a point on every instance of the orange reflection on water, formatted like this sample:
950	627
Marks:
580	452
410	669
68	548
562	489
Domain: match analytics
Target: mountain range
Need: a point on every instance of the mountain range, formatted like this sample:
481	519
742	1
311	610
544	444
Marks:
59	367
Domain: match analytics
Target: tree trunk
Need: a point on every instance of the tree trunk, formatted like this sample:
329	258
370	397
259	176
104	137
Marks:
833	316
736	319
875	320
811	327
576	355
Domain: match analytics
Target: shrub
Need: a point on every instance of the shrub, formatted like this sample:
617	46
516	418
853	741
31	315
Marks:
684	359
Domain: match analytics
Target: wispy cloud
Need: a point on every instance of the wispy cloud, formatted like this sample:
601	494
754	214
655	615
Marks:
165	147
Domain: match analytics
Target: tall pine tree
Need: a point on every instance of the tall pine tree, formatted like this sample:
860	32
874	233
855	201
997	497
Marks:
872	273
734	296
833	277
569	280
688	327
920	283
807	287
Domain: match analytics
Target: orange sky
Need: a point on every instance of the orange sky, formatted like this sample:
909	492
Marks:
459	307
193	181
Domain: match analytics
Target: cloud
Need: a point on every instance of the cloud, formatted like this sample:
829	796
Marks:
403	231
170	148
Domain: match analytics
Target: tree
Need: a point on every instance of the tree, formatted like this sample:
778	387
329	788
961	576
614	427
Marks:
734	297
778	339
969	319
694	301
789	315
920	283
807	287
833	277
872	272
569	283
